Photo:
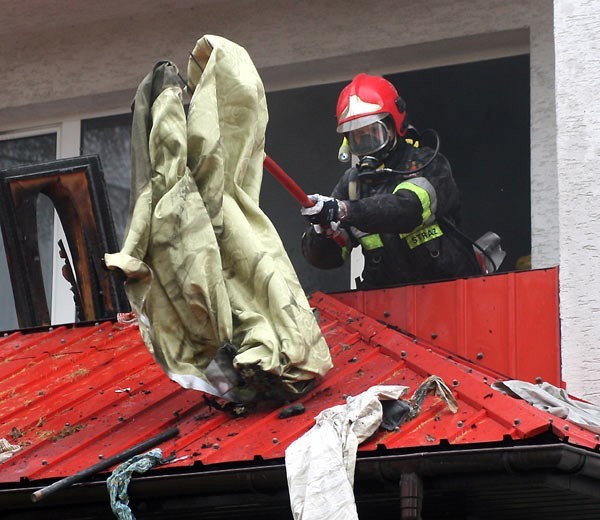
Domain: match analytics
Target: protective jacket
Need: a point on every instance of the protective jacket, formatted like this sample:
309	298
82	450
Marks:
405	223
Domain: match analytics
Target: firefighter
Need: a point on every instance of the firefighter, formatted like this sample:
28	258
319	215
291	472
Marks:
399	202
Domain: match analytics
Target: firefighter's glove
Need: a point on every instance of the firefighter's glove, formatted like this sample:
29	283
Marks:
325	211
333	229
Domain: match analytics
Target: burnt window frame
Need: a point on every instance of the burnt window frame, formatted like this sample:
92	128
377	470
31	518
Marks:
97	294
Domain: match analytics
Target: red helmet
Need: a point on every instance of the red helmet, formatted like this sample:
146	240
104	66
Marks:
368	99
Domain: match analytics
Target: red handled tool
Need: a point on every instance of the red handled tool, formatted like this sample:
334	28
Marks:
296	191
288	183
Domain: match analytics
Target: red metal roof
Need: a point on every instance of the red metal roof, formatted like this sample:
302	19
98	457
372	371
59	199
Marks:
75	394
508	323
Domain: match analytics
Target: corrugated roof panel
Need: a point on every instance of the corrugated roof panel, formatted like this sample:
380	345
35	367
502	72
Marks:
508	322
73	395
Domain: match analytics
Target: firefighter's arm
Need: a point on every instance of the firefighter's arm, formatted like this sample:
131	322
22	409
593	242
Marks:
384	213
416	201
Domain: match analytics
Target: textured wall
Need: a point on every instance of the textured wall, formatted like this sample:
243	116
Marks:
544	183
96	54
577	29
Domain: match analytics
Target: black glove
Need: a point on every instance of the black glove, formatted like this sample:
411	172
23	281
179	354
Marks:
325	211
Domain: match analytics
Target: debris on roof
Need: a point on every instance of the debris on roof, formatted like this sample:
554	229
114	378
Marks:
70	396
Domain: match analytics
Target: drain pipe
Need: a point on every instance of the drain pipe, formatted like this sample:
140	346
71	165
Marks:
411	496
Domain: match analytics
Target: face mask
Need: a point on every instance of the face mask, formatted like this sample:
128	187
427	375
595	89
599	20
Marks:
368	139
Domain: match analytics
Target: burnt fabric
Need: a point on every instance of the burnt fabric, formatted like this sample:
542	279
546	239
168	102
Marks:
404	223
205	267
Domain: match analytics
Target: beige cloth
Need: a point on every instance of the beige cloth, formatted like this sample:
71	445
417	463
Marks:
320	465
7	450
205	266
554	400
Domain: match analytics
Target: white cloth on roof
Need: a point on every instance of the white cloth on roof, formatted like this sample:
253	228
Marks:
7	450
554	400
320	464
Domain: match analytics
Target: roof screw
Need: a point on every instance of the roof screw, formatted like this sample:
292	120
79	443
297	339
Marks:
63	340
110	335
479	355
44	462
538	380
67	424
455	382
597	437
386	314
50	328
567	427
275	440
469	370
101	456
516	422
5	334
434	335
415	340
403	353
96	324
460	424
216	446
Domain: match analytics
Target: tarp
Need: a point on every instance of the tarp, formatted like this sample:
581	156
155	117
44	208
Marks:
545	396
205	267
320	464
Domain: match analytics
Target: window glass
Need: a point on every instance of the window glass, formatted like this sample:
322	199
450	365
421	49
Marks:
20	152
110	138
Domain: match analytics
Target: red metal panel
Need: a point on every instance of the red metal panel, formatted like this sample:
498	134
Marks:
507	323
69	396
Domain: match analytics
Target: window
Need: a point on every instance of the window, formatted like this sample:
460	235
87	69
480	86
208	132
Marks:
110	138
20	151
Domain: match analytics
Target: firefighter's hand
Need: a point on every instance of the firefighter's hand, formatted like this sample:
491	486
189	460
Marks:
325	211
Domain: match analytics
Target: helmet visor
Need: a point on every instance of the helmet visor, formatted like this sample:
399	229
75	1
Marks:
368	139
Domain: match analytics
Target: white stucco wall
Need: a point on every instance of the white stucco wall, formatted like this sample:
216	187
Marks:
577	34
